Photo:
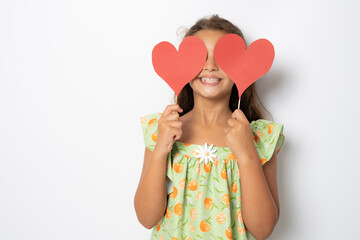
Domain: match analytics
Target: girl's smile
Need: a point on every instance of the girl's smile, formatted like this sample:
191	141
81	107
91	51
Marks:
210	80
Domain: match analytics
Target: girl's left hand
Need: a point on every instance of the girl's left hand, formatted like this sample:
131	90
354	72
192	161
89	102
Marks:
239	135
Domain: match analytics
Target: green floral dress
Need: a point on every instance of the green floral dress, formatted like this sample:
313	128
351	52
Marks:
203	182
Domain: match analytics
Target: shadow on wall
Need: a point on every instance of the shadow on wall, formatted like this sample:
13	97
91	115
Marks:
269	85
274	85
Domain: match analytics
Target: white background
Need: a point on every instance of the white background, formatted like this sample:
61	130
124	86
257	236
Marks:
75	77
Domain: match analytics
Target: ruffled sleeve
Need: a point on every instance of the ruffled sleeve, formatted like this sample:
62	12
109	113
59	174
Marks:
268	136
149	125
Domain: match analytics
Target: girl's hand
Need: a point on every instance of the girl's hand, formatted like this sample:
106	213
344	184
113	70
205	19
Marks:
169	128
239	136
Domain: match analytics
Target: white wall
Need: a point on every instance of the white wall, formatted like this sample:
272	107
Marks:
71	146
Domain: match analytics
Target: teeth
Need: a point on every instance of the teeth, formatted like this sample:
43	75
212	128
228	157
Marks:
210	80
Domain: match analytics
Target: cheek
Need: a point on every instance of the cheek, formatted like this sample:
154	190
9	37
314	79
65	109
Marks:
191	83
230	83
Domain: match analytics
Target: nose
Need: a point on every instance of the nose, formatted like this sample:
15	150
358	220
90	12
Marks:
210	64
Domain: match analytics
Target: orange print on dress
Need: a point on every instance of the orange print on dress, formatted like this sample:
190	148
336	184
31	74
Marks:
239	216
228	232
220	218
204	226
174	192
259	134
151	122
143	119
197	170
270	128
256	138
208	203
193	213
223	174
193	185
199	195
207	167
182	183
231	156
154	137
241	230
191	227
158	226
178	209
215	161
194	153
168	213
178	167
262	160
174	238
226	199
234	188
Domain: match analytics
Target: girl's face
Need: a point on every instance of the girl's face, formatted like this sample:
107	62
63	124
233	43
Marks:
211	82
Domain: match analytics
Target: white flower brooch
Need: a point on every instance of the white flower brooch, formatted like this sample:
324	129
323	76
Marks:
206	153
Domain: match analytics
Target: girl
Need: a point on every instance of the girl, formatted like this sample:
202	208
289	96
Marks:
204	175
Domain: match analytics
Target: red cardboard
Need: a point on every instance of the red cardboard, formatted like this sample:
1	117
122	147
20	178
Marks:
243	66
177	68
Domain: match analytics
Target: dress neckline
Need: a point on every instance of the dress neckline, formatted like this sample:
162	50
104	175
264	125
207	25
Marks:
192	144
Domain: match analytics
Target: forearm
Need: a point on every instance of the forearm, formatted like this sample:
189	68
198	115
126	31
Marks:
150	199
259	209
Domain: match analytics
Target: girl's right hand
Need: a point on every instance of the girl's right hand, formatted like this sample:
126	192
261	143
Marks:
169	128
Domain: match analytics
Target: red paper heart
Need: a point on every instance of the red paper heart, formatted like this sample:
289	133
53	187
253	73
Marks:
177	68
243	66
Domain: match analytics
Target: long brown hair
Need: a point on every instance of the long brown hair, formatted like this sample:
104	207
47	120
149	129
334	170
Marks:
250	102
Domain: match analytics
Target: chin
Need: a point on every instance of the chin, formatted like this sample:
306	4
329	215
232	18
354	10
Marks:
212	95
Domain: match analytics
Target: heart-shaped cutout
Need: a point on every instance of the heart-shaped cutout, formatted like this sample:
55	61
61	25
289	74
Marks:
243	66
177	68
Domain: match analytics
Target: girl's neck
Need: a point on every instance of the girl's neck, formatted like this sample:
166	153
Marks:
211	112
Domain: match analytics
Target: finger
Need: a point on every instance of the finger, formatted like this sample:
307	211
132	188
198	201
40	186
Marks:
175	124
237	114
232	122
176	133
174	116
170	108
